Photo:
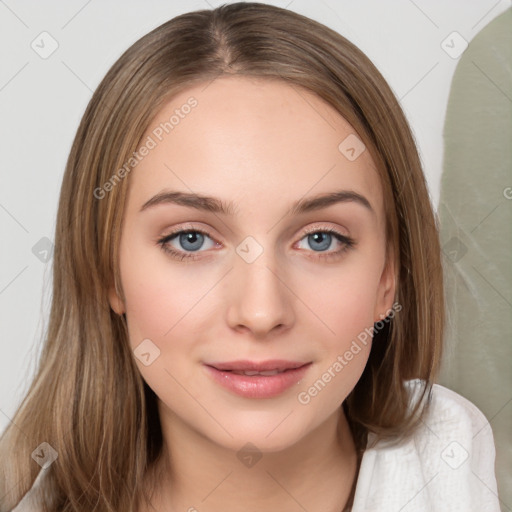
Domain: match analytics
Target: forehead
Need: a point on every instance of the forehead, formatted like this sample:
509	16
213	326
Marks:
252	139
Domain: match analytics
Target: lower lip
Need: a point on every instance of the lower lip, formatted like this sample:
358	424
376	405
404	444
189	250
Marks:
258	386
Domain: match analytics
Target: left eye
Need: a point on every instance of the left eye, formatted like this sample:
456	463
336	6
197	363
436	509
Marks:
322	240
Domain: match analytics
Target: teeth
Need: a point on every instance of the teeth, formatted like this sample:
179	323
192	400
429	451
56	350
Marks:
252	372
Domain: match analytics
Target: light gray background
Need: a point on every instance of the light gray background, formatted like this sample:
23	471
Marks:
42	101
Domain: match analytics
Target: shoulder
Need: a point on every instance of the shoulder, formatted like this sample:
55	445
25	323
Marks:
30	502
447	463
450	415
457	430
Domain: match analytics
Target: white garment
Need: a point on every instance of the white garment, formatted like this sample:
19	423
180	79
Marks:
446	466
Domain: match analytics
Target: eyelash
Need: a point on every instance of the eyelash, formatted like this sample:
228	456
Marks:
348	242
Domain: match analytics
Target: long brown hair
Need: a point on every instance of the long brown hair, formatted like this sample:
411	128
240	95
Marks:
88	400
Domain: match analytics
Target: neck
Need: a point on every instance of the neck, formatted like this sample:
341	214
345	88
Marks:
316	474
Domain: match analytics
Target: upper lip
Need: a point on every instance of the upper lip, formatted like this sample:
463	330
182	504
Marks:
258	366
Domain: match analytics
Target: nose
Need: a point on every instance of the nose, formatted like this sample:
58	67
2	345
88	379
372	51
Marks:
260	300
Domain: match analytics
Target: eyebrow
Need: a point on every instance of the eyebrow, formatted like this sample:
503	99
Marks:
215	205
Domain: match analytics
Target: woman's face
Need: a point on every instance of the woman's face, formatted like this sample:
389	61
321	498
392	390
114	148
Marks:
262	279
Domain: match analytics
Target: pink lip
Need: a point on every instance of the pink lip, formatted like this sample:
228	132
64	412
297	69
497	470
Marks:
259	386
270	364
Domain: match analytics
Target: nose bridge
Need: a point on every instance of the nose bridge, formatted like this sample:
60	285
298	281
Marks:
259	299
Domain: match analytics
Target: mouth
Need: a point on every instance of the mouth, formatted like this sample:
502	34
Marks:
269	367
258	380
251	373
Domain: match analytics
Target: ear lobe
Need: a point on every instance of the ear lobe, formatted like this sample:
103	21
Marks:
115	302
386	290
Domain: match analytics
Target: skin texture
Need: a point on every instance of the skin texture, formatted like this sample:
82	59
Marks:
263	145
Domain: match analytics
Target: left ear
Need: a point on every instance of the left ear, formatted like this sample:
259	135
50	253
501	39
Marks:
386	288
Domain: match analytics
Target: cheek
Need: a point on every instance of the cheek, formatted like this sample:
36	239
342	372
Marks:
344	304
343	296
148	306
162	305
159	295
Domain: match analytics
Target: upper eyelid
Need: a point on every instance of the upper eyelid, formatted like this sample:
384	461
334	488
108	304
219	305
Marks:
206	232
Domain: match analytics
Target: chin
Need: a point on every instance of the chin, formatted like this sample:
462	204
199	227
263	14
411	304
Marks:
266	433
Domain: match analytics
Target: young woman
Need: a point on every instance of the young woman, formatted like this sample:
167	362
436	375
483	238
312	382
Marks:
247	300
